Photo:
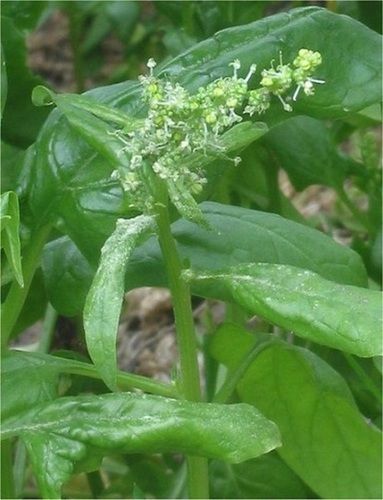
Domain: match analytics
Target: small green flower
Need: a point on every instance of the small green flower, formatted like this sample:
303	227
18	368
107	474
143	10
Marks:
179	124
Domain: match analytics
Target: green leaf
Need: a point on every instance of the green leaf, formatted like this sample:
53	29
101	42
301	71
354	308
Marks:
42	96
21	120
240	236
263	477
10	241
68	430
95	131
304	148
326	440
104	300
66	269
352	76
35	378
339	316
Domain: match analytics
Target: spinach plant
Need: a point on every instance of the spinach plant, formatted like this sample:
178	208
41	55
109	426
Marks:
113	196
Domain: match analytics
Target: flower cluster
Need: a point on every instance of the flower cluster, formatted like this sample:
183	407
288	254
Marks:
179	124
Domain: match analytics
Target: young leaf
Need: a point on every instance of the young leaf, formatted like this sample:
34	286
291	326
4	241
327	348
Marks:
340	316
10	241
94	130
104	300
238	236
326	440
42	96
68	430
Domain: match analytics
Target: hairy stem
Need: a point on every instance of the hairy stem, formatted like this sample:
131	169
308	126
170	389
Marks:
186	339
17	294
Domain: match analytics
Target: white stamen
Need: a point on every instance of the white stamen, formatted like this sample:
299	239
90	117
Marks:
286	106
251	72
236	66
295	96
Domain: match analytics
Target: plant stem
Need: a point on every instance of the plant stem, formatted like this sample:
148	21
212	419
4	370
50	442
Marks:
16	296
95	482
48	328
19	468
74	17
125	380
235	376
187	344
180	291
7	485
359	216
363	376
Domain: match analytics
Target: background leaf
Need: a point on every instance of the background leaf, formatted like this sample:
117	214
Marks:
340	316
65	431
303	146
326	441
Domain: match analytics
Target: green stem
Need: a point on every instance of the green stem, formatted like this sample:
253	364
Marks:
19	468
125	381
231	382
74	37
7	485
186	339
360	217
48	329
368	383
17	294
96	484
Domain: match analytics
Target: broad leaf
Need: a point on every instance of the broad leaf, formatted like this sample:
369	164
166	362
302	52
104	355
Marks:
326	440
239	236
104	300
352	76
68	430
10	241
65	270
340	316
